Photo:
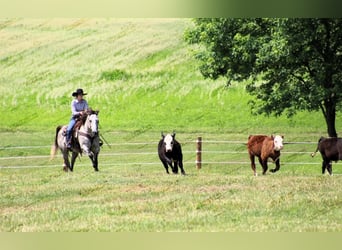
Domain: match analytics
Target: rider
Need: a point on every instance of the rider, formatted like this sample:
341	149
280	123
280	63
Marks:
78	107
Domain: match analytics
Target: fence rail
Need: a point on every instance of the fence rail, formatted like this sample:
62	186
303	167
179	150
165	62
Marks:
153	143
214	152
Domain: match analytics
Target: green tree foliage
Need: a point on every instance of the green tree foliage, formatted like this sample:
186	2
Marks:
292	64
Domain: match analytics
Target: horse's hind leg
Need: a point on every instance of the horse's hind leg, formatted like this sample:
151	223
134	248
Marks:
73	159
66	165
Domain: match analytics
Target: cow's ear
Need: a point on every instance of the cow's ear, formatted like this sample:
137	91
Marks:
173	134
162	134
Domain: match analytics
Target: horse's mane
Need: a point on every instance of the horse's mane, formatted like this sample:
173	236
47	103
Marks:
88	112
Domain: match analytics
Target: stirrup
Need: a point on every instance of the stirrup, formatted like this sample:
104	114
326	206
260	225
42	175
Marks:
68	144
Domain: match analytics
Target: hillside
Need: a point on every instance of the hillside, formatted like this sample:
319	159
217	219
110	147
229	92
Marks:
138	72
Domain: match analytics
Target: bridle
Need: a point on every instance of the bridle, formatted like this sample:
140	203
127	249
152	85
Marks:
91	135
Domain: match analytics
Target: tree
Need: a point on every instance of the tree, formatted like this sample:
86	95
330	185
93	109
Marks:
292	64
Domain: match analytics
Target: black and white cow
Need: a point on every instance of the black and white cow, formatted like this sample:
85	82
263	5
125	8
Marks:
331	150
170	151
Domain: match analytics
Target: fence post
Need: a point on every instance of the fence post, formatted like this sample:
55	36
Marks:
199	153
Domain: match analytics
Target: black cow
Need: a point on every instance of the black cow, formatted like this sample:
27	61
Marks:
331	150
169	150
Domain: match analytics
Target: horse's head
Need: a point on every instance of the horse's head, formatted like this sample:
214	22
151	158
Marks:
92	122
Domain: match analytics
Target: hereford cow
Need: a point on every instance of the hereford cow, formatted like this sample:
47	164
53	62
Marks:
264	147
170	151
331	150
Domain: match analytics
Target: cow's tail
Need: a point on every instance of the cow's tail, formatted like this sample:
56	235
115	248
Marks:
314	153
54	146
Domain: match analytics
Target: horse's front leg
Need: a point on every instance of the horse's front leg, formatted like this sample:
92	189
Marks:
95	161
91	155
95	148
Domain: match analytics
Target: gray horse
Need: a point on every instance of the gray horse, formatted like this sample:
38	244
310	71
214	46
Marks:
87	141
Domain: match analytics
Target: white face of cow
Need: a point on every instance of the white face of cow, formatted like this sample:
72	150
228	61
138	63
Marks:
168	142
278	143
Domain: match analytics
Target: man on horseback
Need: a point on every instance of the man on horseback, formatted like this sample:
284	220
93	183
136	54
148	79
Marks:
78	108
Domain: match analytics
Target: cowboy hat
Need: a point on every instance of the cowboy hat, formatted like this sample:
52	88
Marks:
78	92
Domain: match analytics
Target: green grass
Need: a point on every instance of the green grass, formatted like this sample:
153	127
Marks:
133	193
141	75
143	198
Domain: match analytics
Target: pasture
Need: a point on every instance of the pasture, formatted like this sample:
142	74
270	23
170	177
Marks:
132	192
141	76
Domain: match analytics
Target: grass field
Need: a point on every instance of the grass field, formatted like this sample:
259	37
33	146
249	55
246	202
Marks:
142	77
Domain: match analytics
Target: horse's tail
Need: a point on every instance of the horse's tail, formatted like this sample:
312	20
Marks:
314	153
54	146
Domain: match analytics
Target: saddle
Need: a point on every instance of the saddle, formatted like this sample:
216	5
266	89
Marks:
75	129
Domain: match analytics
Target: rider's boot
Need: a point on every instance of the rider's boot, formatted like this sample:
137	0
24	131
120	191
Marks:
68	139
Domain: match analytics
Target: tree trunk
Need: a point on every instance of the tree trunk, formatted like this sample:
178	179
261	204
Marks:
330	116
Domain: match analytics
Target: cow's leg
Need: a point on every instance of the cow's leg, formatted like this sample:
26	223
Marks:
73	159
175	167
181	167
324	162
169	162
329	168
264	165
252	158
260	161
165	166
277	162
